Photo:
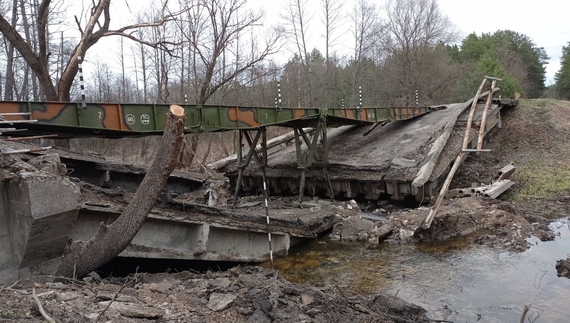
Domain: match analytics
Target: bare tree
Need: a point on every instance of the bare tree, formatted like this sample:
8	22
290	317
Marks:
331	18
212	30
9	87
297	19
411	30
364	17
95	27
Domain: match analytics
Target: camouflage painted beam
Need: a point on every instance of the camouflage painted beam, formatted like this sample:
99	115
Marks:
118	120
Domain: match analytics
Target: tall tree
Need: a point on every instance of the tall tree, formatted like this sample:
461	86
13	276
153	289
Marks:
562	77
297	18
515	52
212	30
364	18
411	30
331	18
95	27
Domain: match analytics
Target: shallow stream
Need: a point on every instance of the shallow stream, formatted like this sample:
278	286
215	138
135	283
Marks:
454	280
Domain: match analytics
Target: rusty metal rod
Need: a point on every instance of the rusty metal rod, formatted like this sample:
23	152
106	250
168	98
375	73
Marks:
23	151
16	121
32	137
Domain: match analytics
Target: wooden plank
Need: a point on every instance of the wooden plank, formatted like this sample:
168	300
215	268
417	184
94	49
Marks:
458	160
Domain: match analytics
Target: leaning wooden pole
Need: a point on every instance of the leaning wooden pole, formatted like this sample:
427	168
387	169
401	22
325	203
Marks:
458	160
483	125
110	240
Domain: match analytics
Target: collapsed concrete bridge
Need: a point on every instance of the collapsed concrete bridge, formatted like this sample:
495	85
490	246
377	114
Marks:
404	158
408	159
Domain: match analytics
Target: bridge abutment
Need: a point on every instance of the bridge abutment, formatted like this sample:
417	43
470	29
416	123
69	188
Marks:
37	213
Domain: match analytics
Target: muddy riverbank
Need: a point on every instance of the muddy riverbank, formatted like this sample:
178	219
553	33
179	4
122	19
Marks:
454	280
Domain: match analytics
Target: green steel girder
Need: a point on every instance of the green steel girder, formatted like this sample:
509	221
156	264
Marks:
120	120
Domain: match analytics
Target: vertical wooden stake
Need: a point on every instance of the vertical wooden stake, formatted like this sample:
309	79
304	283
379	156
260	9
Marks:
484	118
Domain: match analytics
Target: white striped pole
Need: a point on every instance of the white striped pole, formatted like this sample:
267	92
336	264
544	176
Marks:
185	99
360	97
417	100
81	83
279	95
267	215
266	191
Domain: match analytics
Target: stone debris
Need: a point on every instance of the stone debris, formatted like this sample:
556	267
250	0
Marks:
220	301
563	268
241	294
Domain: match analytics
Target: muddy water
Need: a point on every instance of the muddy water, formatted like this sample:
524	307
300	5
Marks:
455	280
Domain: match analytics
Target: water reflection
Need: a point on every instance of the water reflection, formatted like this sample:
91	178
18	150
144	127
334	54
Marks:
455	280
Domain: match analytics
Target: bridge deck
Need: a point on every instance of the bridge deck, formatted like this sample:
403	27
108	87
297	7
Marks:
382	164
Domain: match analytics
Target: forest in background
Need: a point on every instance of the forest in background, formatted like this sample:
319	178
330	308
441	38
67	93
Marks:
222	52
400	53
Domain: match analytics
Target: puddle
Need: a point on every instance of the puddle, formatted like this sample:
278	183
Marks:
454	281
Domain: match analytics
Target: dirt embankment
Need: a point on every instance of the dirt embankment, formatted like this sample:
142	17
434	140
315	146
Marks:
536	137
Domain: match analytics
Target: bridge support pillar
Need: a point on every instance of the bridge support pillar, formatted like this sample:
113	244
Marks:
312	155
242	163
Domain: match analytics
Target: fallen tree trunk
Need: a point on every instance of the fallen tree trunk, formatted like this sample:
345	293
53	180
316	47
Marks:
110	240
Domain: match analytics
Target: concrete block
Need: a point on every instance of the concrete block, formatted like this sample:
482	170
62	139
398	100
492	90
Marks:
38	211
247	246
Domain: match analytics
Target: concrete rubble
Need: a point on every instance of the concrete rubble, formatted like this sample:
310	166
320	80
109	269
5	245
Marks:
241	294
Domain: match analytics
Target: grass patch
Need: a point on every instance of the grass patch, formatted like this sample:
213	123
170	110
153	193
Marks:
544	181
538	102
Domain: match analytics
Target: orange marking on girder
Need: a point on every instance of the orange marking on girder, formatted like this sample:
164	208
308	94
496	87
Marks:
248	116
347	114
299	113
52	110
364	115
113	116
11	107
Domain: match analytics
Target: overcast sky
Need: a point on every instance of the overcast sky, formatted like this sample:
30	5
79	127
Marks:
546	22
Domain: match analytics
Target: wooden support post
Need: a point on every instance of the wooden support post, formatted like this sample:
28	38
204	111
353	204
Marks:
302	185
242	165
239	163
458	160
471	114
484	118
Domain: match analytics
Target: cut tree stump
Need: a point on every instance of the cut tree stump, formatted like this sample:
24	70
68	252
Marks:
110	240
